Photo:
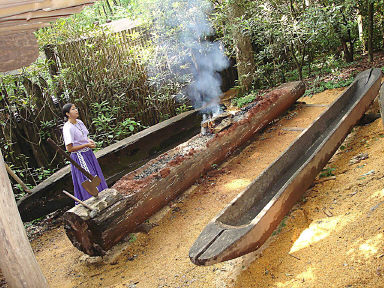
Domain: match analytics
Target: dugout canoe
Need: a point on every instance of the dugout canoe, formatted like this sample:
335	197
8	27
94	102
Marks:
247	222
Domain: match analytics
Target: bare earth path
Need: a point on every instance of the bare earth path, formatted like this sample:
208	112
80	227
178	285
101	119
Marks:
333	238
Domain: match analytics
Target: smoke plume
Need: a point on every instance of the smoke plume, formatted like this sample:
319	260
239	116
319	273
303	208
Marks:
182	46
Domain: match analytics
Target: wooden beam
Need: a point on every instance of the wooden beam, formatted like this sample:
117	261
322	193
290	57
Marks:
21	28
17	179
17	261
44	14
17	50
7	9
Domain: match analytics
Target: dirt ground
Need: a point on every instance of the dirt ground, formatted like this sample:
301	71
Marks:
333	238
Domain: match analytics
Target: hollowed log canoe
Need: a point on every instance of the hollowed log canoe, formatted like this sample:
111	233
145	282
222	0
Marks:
247	222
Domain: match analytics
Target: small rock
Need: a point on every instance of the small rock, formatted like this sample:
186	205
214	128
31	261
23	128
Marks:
133	285
353	193
369	173
358	158
88	260
379	271
132	258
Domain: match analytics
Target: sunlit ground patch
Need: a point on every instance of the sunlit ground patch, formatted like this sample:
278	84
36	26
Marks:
367	248
378	194
319	230
238	184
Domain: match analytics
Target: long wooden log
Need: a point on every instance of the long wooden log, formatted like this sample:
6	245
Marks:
116	160
146	190
17	261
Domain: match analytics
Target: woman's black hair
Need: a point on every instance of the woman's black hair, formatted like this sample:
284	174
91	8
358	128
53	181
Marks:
66	108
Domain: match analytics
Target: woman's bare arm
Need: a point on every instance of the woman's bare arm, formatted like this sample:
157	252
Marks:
71	148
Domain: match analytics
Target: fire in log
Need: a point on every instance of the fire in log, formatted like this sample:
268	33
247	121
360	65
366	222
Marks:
217	123
141	193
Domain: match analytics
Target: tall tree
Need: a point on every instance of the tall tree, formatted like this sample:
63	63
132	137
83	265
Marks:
242	44
370	29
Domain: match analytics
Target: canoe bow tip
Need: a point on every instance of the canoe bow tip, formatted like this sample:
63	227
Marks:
196	261
197	257
200	261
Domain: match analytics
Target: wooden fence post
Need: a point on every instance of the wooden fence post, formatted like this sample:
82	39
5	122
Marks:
17	261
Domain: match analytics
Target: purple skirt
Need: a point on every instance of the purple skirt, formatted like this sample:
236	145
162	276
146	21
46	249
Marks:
88	161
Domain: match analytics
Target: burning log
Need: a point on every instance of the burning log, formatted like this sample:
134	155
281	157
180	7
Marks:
143	192
217	123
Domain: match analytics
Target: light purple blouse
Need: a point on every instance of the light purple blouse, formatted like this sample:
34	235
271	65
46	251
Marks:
75	134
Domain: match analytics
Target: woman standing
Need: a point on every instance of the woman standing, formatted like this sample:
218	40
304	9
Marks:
77	142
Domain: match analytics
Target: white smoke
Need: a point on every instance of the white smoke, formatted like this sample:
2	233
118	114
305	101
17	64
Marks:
181	31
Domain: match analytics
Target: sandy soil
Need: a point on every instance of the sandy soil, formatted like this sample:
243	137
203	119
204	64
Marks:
332	238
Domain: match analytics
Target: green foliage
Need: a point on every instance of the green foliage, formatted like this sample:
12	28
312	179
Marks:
183	108
43	173
33	222
327	172
108	130
33	175
45	129
293	36
246	99
243	101
324	85
132	238
280	227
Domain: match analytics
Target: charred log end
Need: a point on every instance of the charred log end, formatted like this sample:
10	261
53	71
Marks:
83	227
79	232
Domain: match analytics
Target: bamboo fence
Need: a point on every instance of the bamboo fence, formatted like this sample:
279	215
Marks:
108	67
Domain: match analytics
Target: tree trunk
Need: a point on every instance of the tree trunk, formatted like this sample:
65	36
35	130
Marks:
17	261
53	69
361	34
370	32
299	65
348	56
382	33
243	46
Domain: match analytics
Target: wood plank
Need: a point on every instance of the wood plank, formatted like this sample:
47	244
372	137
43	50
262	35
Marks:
18	263
21	28
47	5
44	14
17	50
